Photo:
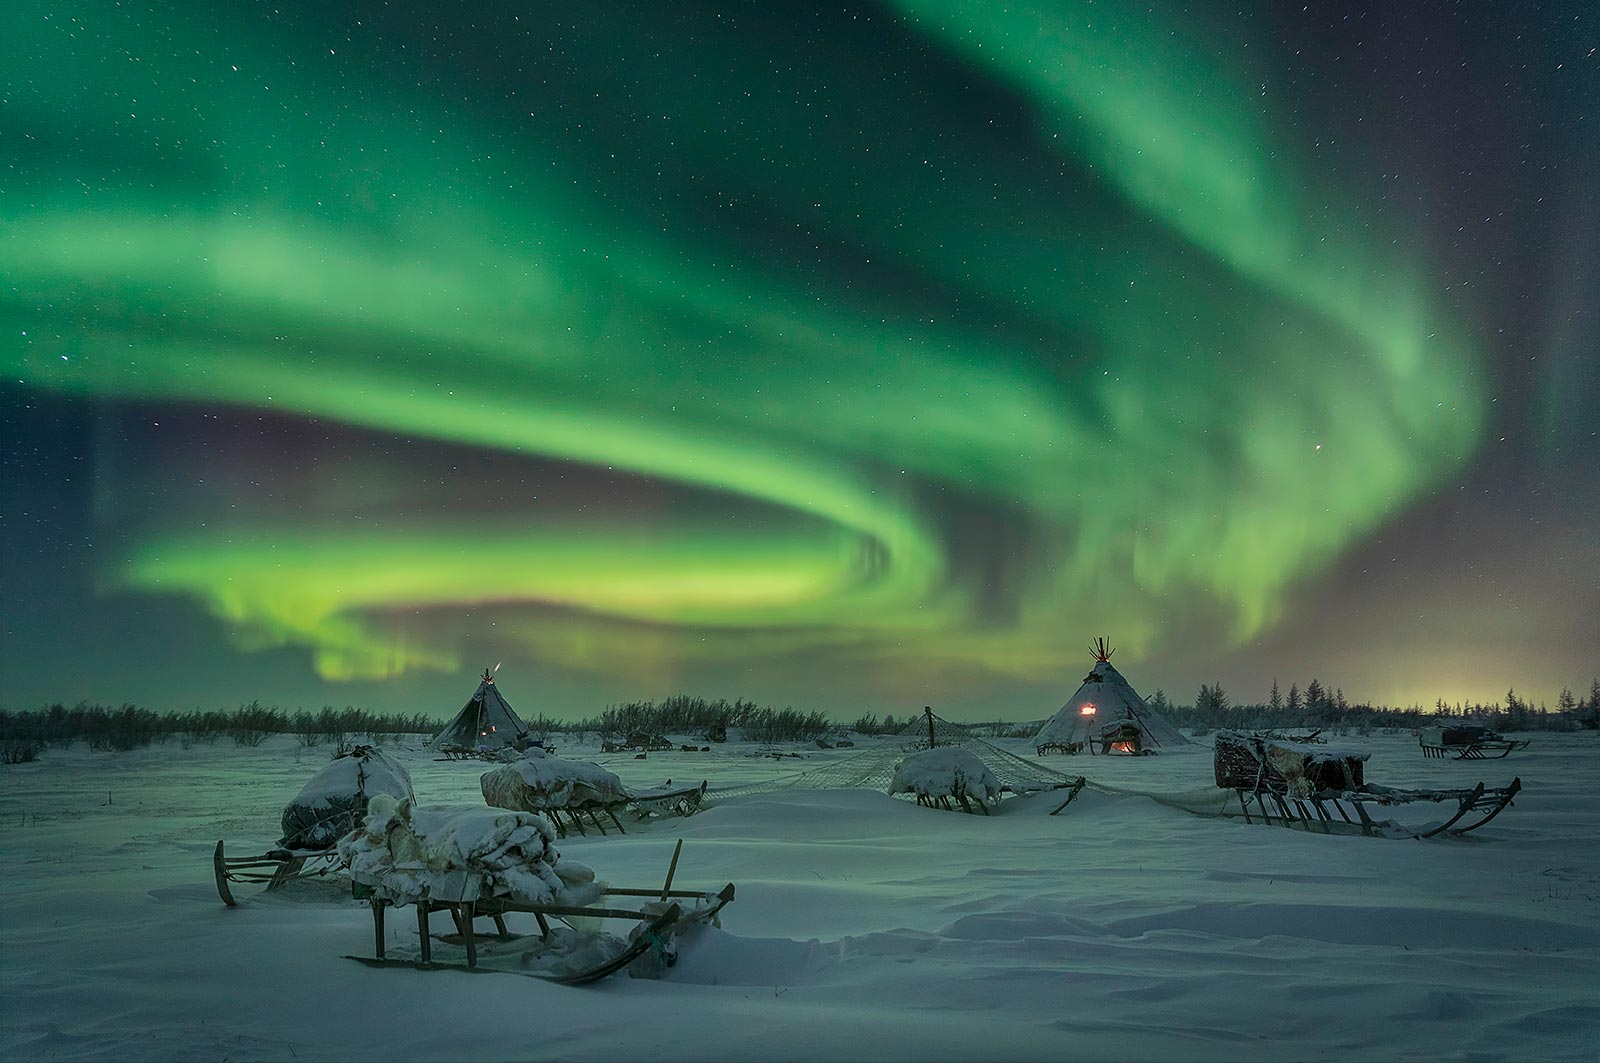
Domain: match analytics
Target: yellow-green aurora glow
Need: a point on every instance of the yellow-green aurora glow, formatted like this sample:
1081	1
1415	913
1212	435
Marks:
1064	273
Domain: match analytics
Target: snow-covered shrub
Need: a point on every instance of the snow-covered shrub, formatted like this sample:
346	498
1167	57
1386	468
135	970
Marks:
18	751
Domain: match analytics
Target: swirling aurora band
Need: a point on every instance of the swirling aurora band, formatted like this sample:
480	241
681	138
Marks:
1101	304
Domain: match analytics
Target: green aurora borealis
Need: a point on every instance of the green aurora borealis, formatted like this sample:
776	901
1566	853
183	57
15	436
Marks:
925	346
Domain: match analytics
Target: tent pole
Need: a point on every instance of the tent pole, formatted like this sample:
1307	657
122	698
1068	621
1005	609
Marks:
927	710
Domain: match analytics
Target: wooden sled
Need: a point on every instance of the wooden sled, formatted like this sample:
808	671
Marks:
275	867
1299	785
1469	743
1059	747
667	801
570	818
657	931
1474	808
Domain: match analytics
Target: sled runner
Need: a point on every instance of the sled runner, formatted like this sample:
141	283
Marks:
1298	785
275	867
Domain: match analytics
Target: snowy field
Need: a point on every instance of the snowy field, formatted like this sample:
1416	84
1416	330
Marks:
865	927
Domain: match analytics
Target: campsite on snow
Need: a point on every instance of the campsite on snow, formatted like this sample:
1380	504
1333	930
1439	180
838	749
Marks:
1109	888
621	532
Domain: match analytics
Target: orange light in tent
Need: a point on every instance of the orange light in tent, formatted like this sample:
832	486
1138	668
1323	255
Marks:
1087	710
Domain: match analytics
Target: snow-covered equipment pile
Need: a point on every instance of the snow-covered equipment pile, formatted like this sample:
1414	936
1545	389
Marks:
334	800
403	853
873	767
1285	766
943	773
563	790
480	862
1107	715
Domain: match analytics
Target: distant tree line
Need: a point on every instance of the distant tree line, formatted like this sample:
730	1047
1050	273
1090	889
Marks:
24	734
688	714
1320	706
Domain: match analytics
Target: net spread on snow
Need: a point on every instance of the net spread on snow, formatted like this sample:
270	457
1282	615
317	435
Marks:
874	769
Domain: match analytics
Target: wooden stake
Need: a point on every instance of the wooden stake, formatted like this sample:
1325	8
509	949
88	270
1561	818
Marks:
672	869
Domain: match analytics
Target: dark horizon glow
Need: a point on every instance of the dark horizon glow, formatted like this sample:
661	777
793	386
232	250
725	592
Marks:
878	358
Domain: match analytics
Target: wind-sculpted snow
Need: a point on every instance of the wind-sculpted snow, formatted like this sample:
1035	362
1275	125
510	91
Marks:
865	926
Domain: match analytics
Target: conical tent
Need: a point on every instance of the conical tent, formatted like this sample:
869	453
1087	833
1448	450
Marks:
486	721
1104	706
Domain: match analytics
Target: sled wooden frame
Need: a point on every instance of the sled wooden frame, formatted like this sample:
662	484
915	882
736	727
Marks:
657	933
1311	813
1058	747
574	817
684	801
275	867
943	801
1481	749
680	801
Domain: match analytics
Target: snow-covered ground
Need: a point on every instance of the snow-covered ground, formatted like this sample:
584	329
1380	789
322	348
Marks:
865	927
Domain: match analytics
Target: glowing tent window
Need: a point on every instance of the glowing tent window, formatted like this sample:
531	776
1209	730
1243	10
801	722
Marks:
1087	710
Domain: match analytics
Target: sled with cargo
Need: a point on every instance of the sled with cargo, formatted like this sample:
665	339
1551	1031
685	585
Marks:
667	800
659	916
1321	788
641	804
330	805
568	792
1468	743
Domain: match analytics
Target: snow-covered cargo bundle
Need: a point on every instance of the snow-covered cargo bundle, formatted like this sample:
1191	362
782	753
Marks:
402	852
564	790
334	800
943	773
1284	765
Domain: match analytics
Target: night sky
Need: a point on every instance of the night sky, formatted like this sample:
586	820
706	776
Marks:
856	360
